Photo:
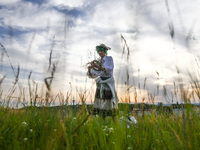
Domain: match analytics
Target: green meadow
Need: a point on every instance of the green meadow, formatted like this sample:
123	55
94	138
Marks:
65	127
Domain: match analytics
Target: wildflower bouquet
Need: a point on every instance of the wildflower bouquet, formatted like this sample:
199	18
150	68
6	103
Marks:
95	63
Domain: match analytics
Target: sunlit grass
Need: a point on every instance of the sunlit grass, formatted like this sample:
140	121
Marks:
53	128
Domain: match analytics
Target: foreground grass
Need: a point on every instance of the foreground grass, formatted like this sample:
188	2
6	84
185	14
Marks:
52	128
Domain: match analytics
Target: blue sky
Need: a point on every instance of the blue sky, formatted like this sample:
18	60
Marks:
29	27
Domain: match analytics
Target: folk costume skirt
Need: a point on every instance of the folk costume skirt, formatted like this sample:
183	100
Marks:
106	100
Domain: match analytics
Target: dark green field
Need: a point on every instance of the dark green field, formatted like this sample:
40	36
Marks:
64	128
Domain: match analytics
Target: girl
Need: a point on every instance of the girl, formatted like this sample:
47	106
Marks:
106	100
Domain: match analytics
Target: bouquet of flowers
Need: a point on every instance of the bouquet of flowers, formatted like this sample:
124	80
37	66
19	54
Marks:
96	64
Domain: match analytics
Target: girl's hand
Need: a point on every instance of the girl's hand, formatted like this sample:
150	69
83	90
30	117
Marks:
95	65
90	67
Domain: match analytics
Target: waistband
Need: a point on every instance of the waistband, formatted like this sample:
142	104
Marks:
104	78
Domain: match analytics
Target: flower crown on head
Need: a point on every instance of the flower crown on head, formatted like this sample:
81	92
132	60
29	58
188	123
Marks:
102	47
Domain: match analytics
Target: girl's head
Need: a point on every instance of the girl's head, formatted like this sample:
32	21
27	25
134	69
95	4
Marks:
102	49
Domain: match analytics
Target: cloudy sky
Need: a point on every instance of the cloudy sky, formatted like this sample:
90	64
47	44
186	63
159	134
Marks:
161	35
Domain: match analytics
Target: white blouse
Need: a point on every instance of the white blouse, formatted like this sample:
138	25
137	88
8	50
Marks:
107	63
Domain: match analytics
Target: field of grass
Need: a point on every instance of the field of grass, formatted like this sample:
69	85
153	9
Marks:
56	128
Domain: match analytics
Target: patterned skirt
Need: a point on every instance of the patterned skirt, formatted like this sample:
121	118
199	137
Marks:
103	104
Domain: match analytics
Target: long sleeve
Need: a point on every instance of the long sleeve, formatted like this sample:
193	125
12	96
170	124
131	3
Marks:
108	65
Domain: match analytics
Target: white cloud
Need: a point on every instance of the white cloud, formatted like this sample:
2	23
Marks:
10	2
68	3
79	25
26	15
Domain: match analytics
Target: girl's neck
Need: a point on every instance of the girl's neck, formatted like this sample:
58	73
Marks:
102	57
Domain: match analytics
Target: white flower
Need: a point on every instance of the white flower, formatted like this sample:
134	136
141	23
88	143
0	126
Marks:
25	139
111	130
24	124
106	134
31	130
55	130
104	130
128	136
133	120
128	148
74	118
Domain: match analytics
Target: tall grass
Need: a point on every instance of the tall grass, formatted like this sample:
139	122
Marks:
54	128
